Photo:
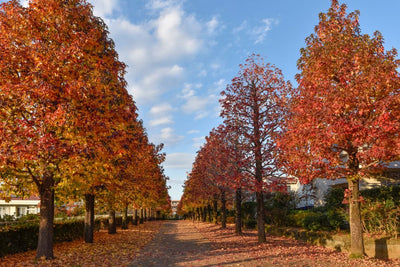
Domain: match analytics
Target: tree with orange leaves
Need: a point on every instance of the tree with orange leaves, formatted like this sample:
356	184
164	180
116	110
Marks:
344	116
59	74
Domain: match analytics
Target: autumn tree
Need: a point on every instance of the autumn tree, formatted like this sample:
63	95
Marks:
225	155
253	106
57	69
344	119
200	188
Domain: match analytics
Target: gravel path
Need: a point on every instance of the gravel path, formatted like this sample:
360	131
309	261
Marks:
177	244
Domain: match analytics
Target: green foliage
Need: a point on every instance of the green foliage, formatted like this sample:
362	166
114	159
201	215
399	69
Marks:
298	217
249	223
337	219
380	210
278	206
23	235
7	218
383	193
249	210
380	217
318	220
334	198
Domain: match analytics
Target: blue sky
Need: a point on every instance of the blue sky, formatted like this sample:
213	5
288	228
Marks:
182	53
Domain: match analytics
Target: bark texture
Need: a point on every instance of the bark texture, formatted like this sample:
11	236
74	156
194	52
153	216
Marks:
45	241
89	218
238	211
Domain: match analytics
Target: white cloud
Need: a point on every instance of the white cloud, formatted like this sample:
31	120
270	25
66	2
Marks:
196	104
25	3
215	66
193	131
261	31
161	109
212	25
198	141
179	161
220	85
161	121
104	8
157	49
162	4
161	114
169	137
257	33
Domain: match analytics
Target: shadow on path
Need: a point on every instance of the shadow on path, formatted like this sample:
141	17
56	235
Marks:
177	243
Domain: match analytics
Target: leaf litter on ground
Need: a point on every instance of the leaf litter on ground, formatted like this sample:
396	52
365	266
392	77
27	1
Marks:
244	250
107	250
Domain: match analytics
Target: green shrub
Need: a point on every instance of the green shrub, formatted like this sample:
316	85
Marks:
7	218
250	224
334	198
278	206
249	210
383	193
380	217
337	219
316	221
297	217
23	236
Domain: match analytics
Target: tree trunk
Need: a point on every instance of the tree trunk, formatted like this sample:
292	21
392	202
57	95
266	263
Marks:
141	218
238	211
258	159
112	226
125	218
145	215
209	213
45	241
223	209
135	217
89	218
204	214
215	210
356	234
260	217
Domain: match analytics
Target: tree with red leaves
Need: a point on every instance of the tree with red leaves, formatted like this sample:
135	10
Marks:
253	106
344	119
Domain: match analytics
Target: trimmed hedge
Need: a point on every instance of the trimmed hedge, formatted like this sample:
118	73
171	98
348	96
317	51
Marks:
23	237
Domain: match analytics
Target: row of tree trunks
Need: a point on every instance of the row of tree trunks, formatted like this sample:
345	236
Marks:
210	213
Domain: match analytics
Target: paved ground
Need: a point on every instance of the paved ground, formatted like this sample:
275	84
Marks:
177	244
193	244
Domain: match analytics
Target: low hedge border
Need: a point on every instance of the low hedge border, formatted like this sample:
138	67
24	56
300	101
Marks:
382	248
312	237
23	237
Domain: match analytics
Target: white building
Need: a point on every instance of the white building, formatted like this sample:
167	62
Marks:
18	207
313	194
174	206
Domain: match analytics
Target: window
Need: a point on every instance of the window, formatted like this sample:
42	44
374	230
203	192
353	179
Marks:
4	211
31	210
21	211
